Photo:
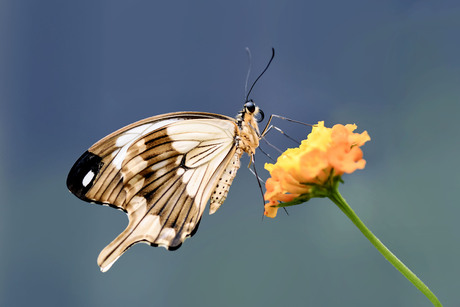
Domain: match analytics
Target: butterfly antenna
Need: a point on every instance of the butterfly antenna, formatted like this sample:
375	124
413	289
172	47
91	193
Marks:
249	72
269	62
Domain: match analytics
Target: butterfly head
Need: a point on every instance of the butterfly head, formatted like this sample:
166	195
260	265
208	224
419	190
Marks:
250	114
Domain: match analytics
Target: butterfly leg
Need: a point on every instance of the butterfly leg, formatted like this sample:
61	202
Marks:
264	131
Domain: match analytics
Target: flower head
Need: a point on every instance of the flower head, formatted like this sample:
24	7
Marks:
326	152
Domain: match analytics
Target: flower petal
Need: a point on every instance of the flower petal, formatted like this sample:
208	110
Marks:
324	150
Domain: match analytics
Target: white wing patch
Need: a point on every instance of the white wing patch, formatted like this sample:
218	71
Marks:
126	139
88	177
202	139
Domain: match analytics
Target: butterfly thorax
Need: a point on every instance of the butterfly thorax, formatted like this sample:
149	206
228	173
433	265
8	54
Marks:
249	135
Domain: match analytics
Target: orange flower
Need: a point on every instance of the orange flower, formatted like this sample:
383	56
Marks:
325	152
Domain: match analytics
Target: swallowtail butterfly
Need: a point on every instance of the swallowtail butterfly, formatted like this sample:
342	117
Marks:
162	171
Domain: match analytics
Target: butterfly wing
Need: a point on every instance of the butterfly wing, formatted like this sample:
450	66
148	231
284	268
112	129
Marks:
161	171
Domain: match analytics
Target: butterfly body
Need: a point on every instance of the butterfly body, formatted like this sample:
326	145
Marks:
162	171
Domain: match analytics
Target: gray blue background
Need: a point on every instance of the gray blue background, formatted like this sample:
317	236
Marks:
71	72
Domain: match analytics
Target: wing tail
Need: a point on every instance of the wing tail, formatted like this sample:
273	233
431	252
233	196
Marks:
138	230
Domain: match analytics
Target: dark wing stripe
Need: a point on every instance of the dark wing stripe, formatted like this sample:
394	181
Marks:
142	148
138	159
149	191
183	228
175	201
176	206
117	194
166	192
143	165
115	182
104	179
151	166
110	175
147	176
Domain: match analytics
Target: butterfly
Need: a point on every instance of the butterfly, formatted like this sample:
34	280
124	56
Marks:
162	171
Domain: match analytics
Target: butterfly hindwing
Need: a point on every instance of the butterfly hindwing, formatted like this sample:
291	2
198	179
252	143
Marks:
161	171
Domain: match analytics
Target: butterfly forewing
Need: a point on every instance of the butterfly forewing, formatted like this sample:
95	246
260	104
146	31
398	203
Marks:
161	171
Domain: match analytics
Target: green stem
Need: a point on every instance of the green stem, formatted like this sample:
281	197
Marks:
335	196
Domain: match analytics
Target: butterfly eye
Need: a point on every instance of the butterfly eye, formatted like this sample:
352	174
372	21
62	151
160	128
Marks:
250	106
259	116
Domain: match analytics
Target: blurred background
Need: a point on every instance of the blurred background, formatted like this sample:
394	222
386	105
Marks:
71	72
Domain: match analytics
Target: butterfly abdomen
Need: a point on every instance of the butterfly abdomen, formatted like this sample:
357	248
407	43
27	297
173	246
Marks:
219	194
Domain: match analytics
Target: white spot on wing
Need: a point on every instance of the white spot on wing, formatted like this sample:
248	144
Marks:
88	177
180	171
160	172
187	175
159	165
121	155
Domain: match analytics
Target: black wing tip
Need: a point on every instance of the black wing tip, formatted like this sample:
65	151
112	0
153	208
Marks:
79	179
